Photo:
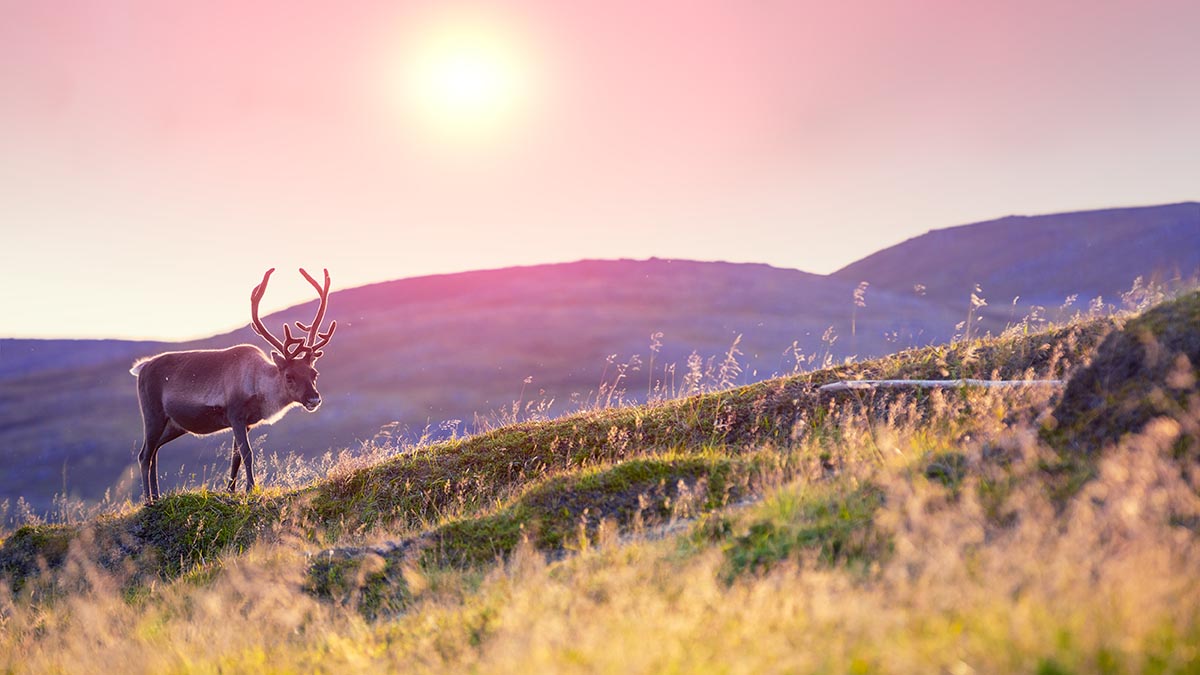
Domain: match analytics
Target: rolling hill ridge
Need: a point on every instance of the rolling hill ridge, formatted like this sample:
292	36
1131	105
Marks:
422	351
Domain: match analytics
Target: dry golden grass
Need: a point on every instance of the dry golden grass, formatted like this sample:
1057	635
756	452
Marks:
906	534
963	585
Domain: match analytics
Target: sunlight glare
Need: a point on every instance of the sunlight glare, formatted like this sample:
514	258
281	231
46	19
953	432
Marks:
465	79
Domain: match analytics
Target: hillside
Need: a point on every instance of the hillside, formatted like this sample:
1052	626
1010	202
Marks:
768	527
432	353
425	350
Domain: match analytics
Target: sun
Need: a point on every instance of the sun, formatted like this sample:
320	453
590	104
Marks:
465	79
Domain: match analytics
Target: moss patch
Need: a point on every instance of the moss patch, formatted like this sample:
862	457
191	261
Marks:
193	528
947	468
556	515
33	548
1144	371
567	511
835	525
365	581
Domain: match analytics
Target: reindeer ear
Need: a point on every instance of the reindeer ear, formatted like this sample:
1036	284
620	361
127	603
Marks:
278	359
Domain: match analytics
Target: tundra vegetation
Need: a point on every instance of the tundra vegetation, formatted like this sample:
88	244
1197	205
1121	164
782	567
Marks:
765	528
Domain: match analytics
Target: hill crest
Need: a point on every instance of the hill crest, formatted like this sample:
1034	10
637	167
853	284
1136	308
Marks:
424	350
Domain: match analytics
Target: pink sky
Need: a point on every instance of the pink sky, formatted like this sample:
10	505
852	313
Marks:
156	157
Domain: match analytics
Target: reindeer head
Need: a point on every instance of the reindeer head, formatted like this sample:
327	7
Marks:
295	356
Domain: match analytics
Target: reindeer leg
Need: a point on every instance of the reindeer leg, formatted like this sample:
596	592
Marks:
170	433
234	464
246	453
144	466
155	423
154	474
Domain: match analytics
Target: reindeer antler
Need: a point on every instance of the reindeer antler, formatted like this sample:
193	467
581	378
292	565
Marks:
317	340
291	348
295	344
255	296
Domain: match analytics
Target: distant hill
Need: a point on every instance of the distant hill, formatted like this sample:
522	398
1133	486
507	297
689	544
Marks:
1041	259
22	356
425	350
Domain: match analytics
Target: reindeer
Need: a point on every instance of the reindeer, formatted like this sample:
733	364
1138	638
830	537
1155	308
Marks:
209	390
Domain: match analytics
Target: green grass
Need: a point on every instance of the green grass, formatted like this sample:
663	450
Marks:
190	529
566	510
34	547
1143	372
833	522
558	514
1138	373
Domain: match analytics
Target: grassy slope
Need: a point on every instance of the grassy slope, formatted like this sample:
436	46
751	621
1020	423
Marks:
583	312
1139	373
457	478
566	484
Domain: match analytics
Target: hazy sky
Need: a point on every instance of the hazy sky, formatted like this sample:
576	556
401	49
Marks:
156	157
